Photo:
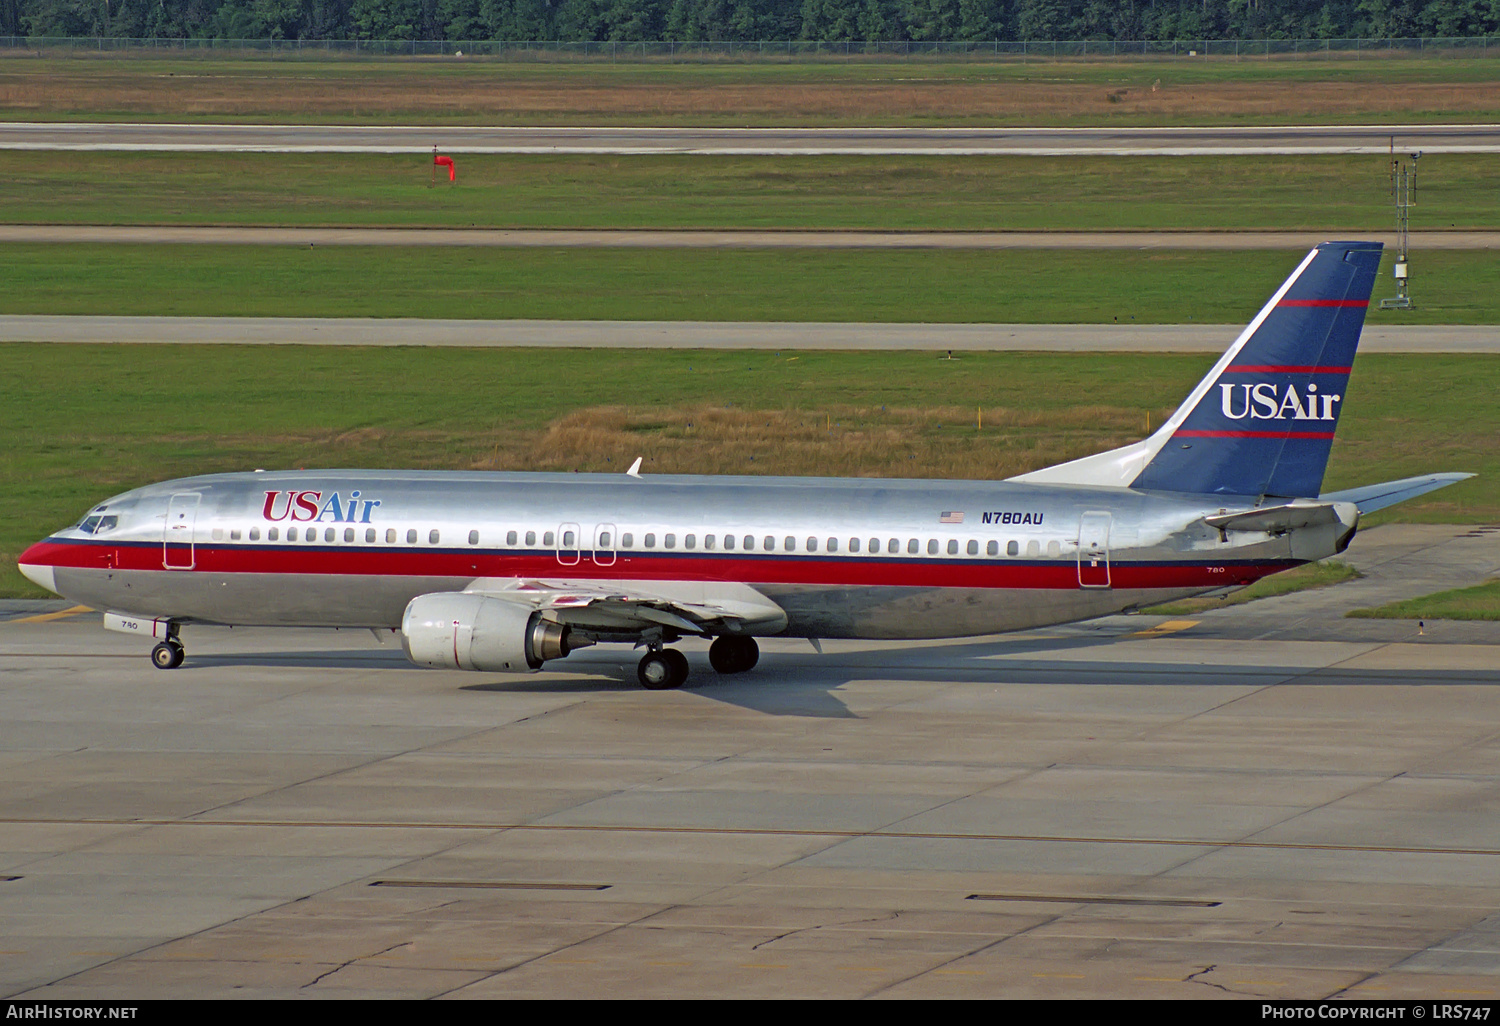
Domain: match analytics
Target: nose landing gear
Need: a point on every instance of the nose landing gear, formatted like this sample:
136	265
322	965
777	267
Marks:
168	655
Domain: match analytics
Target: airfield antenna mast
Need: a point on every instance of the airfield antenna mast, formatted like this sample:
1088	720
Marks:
1404	195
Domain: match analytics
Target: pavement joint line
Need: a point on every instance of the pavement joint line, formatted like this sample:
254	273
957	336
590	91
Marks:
762	832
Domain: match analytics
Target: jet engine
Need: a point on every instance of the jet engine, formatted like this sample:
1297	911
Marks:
461	631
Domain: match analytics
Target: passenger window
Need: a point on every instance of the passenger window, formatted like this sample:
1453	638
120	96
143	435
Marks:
853	544
390	535
218	532
812	545
914	546
627	540
708	541
271	534
569	540
770	543
1012	549
234	534
530	537
328	533
932	546
669	541
729	541
547	538
789	543
473	537
833	545
604	539
255	534
1033	548
992	549
348	534
369	534
432	537
411	536
690	542
1054	549
650	541
510	537
973	547
895	545
291	534
952	546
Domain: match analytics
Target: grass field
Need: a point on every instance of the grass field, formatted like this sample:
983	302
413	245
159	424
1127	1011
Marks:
846	93
1477	603
1337	193
84	422
914	285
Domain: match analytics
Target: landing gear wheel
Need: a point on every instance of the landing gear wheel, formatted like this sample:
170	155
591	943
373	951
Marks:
733	654
663	670
167	656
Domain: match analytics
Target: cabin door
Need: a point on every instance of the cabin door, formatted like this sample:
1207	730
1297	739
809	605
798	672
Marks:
604	544
177	537
1093	550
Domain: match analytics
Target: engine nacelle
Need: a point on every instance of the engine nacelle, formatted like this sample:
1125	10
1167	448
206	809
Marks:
460	631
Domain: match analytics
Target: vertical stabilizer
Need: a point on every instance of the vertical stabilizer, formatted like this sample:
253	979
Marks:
1262	421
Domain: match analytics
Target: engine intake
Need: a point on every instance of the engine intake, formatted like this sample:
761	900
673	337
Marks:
461	631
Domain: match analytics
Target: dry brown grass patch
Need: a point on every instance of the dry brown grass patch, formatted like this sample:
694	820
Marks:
830	441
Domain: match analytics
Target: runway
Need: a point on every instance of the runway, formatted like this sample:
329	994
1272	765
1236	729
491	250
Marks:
1272	802
1221	141
774	335
712	239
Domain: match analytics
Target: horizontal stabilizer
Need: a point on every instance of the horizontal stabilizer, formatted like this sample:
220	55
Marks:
1379	496
1287	517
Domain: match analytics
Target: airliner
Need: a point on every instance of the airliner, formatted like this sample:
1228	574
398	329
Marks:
506	572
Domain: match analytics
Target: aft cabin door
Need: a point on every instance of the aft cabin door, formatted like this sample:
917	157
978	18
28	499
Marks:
177	537
1093	550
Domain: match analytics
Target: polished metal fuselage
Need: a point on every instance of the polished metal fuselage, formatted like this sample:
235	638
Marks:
950	558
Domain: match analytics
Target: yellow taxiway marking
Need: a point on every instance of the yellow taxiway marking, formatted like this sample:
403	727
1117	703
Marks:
1467	992
1169	627
1158	979
754	966
958	972
44	617
1057	976
669	963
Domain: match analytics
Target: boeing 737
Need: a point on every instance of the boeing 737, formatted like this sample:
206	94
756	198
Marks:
507	572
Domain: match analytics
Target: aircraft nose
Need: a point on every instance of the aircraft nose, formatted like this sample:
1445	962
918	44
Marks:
38	569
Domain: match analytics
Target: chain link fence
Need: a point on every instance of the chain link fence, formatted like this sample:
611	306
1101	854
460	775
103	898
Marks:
795	49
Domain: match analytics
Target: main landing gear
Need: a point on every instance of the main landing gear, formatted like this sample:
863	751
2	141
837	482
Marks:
169	654
664	668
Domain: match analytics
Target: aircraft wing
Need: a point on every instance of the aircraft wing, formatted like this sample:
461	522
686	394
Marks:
684	607
1379	496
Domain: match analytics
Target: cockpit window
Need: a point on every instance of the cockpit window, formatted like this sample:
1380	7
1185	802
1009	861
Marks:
97	525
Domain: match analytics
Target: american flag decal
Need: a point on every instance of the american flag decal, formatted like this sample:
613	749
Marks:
950	518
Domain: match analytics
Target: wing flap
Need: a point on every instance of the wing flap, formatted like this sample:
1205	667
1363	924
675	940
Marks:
691	607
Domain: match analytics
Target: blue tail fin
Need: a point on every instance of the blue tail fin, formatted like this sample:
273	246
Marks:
1262	421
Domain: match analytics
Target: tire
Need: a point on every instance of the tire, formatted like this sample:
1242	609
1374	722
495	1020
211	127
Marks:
167	656
679	666
655	672
733	654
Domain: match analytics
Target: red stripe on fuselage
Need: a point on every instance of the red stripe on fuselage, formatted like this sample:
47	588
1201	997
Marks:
846	571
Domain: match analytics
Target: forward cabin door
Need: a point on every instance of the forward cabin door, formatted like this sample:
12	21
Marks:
177	537
1093	550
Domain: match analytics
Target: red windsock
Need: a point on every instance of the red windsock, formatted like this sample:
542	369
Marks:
448	163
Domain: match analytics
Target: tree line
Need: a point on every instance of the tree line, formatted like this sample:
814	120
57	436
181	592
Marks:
749	20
